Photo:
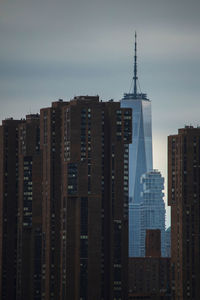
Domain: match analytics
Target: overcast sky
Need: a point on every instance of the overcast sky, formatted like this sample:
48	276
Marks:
54	49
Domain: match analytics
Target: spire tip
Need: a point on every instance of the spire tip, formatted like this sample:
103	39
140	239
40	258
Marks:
135	67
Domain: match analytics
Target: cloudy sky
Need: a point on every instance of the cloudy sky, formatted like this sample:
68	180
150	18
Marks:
54	49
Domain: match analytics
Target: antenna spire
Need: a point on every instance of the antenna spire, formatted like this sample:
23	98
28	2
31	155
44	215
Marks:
135	67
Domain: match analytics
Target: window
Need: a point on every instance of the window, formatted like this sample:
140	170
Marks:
72	178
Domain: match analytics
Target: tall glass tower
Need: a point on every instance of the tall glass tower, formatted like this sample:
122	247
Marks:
140	155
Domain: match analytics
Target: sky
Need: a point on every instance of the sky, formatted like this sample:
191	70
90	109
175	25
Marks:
65	48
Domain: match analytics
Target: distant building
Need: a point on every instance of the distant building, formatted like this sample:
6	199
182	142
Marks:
149	276
168	242
152	207
184	196
152	243
140	154
135	227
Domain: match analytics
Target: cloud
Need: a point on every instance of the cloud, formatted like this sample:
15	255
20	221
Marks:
52	49
45	30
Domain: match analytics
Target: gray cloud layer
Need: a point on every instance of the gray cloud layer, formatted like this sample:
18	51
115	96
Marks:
62	48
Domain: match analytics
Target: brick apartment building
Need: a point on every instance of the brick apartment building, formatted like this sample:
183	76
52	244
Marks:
64	202
184	199
149	276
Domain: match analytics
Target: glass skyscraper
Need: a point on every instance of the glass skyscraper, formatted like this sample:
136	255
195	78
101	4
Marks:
140	161
140	150
146	204
140	156
152	211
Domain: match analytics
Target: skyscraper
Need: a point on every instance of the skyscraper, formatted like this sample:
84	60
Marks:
29	233
184	199
140	154
85	199
152	212
9	177
50	145
20	209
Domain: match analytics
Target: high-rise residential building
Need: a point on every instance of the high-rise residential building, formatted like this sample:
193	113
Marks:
85	199
64	202
184	196
8	207
50	145
152	208
20	202
29	233
140	153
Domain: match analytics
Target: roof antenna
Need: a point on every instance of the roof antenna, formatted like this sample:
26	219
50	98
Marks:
135	68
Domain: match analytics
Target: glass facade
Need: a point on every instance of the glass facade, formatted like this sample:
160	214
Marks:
134	228
168	242
140	160
152	208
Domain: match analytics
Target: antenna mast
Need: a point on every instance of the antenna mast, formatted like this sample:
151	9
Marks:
135	67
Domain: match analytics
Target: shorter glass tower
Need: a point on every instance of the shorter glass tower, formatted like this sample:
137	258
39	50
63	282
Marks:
152	210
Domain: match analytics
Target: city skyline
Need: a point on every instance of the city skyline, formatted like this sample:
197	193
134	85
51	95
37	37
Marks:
51	51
